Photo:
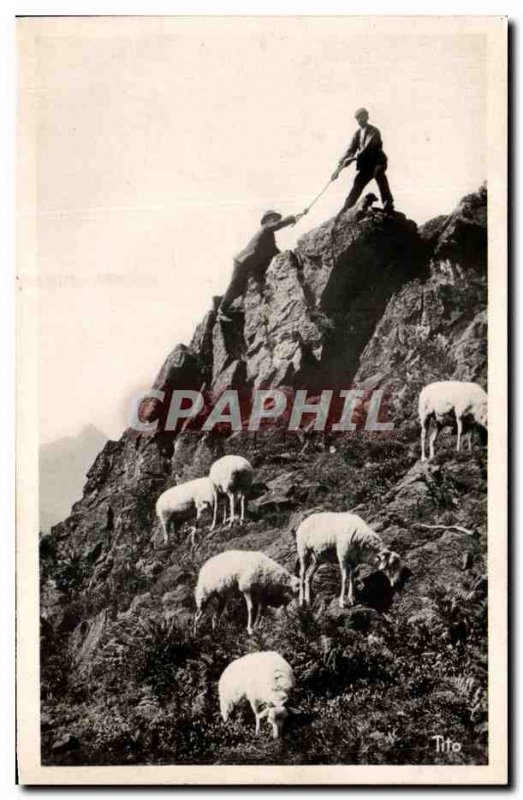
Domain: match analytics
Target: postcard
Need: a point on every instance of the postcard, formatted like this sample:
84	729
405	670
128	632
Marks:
262	400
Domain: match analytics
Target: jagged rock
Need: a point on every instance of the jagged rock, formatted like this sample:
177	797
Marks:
227	347
279	493
181	369
202	341
284	485
271	502
435	328
232	376
462	236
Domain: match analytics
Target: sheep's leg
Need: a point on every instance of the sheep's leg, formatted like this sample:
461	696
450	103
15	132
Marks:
250	611
224	511
351	600
424	429
308	579
214	511
197	617
259	615
459	423
192	535
470	439
242	507
165	530
231	507
194	528
343	585
433	436
258	611
304	569
301	596
218	611
258	715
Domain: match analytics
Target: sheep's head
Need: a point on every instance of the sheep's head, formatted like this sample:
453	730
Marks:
277	717
482	415
282	591
291	590
390	563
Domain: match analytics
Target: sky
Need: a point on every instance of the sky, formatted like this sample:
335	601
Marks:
159	142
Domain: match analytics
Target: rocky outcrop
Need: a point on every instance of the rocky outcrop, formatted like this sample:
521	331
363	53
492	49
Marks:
435	328
374	303
307	323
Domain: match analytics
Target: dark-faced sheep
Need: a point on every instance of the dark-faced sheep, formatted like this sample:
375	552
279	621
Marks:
344	537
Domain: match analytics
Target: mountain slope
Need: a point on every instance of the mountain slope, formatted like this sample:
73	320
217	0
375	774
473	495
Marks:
377	303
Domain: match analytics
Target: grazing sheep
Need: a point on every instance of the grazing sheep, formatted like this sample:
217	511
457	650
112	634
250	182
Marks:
232	475
445	401
327	536
177	501
265	680
261	580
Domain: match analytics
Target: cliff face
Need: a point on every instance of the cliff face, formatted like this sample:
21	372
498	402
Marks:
374	303
435	327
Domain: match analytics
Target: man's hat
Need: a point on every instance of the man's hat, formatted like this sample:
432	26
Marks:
268	214
361	111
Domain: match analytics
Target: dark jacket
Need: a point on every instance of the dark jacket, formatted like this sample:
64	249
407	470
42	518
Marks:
261	249
372	153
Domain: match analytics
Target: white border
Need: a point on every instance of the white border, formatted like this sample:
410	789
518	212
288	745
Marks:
26	419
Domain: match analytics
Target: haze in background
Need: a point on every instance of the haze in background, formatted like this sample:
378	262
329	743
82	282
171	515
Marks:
63	465
161	141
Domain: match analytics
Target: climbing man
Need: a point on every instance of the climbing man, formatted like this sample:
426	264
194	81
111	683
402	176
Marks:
255	258
366	148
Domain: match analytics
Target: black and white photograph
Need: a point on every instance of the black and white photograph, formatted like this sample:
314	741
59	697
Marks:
261	468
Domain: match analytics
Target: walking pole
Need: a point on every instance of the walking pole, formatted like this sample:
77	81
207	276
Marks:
319	195
331	180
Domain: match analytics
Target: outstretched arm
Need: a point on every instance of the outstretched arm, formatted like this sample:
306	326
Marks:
348	157
352	149
281	223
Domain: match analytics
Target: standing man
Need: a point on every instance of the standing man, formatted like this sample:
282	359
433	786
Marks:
255	258
366	148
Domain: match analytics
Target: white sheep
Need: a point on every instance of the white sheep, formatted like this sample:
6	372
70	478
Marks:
262	581
232	476
263	679
176	502
327	536
445	401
